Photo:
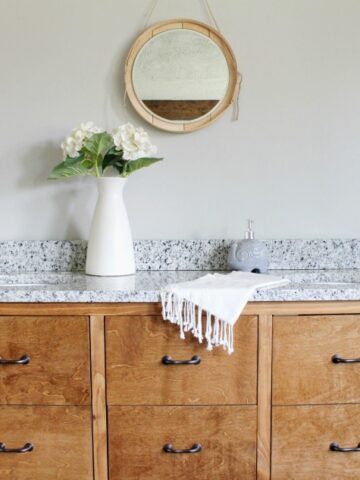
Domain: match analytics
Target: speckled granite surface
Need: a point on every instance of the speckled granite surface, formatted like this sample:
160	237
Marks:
145	286
62	256
51	271
42	256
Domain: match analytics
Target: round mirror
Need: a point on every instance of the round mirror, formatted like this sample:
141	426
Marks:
181	75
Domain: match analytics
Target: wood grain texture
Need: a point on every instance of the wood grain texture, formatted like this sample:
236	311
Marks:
227	435
97	338
71	309
59	369
149	308
303	371
301	439
62	443
62	338
180	109
264	398
136	375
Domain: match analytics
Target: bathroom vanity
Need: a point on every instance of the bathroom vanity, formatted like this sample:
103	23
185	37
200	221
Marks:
94	385
96	390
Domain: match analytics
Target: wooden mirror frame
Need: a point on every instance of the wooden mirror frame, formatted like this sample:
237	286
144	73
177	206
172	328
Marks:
205	120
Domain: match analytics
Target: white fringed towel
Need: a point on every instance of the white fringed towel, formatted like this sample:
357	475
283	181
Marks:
221	296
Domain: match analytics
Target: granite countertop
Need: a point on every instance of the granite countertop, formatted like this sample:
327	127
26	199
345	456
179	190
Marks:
305	285
52	271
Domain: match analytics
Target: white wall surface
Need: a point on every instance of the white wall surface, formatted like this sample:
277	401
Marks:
291	162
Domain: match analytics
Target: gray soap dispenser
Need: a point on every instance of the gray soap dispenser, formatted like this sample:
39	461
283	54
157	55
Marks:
249	255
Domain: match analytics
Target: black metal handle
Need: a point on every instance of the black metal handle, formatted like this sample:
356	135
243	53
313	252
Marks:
338	359
167	360
196	448
335	447
28	447
24	360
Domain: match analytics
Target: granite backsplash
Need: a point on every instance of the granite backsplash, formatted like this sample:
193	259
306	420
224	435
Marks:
67	255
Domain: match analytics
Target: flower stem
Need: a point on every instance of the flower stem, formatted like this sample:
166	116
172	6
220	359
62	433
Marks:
97	173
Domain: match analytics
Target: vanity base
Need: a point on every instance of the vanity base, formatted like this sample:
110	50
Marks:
245	416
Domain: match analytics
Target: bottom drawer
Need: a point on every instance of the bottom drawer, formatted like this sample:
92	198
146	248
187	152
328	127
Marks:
301	440
227	436
61	439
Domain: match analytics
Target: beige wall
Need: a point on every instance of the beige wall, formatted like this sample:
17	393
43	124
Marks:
291	162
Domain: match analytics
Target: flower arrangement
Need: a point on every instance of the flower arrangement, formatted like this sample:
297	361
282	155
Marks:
90	150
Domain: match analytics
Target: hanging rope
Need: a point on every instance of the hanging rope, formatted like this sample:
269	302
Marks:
211	14
145	25
150	12
236	97
205	3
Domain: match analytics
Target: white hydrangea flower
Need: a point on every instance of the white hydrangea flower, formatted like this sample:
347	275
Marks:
134	142
72	145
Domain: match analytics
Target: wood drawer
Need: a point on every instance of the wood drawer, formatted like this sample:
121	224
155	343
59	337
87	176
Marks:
301	440
136	375
61	437
227	436
58	372
303	372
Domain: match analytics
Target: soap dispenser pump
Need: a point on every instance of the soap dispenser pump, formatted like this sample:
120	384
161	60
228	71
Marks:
249	255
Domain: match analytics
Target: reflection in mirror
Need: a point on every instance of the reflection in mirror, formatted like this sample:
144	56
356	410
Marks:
180	75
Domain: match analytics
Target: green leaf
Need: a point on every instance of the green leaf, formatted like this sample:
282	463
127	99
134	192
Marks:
87	163
69	169
70	160
133	165
99	143
113	160
117	153
96	147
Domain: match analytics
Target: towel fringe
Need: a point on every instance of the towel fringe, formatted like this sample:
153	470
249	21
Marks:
188	317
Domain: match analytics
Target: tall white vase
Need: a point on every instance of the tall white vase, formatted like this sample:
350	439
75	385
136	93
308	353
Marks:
110	248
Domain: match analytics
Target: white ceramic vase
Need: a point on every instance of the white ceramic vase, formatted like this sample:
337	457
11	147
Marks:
110	249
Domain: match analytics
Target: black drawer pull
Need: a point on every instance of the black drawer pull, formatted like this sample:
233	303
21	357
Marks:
24	360
335	447
338	359
167	360
28	447
196	448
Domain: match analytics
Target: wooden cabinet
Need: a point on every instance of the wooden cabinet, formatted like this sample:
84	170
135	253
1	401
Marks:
209	400
136	374
60	437
302	436
44	360
98	402
303	348
227	436
45	392
316	397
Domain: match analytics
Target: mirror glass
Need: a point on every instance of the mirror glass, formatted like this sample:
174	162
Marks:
180	75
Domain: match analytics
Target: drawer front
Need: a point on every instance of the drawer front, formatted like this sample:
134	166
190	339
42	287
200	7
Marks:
137	375
227	436
303	371
301	440
58	370
61	439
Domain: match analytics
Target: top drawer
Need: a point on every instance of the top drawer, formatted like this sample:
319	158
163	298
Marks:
136	345
303	370
58	369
